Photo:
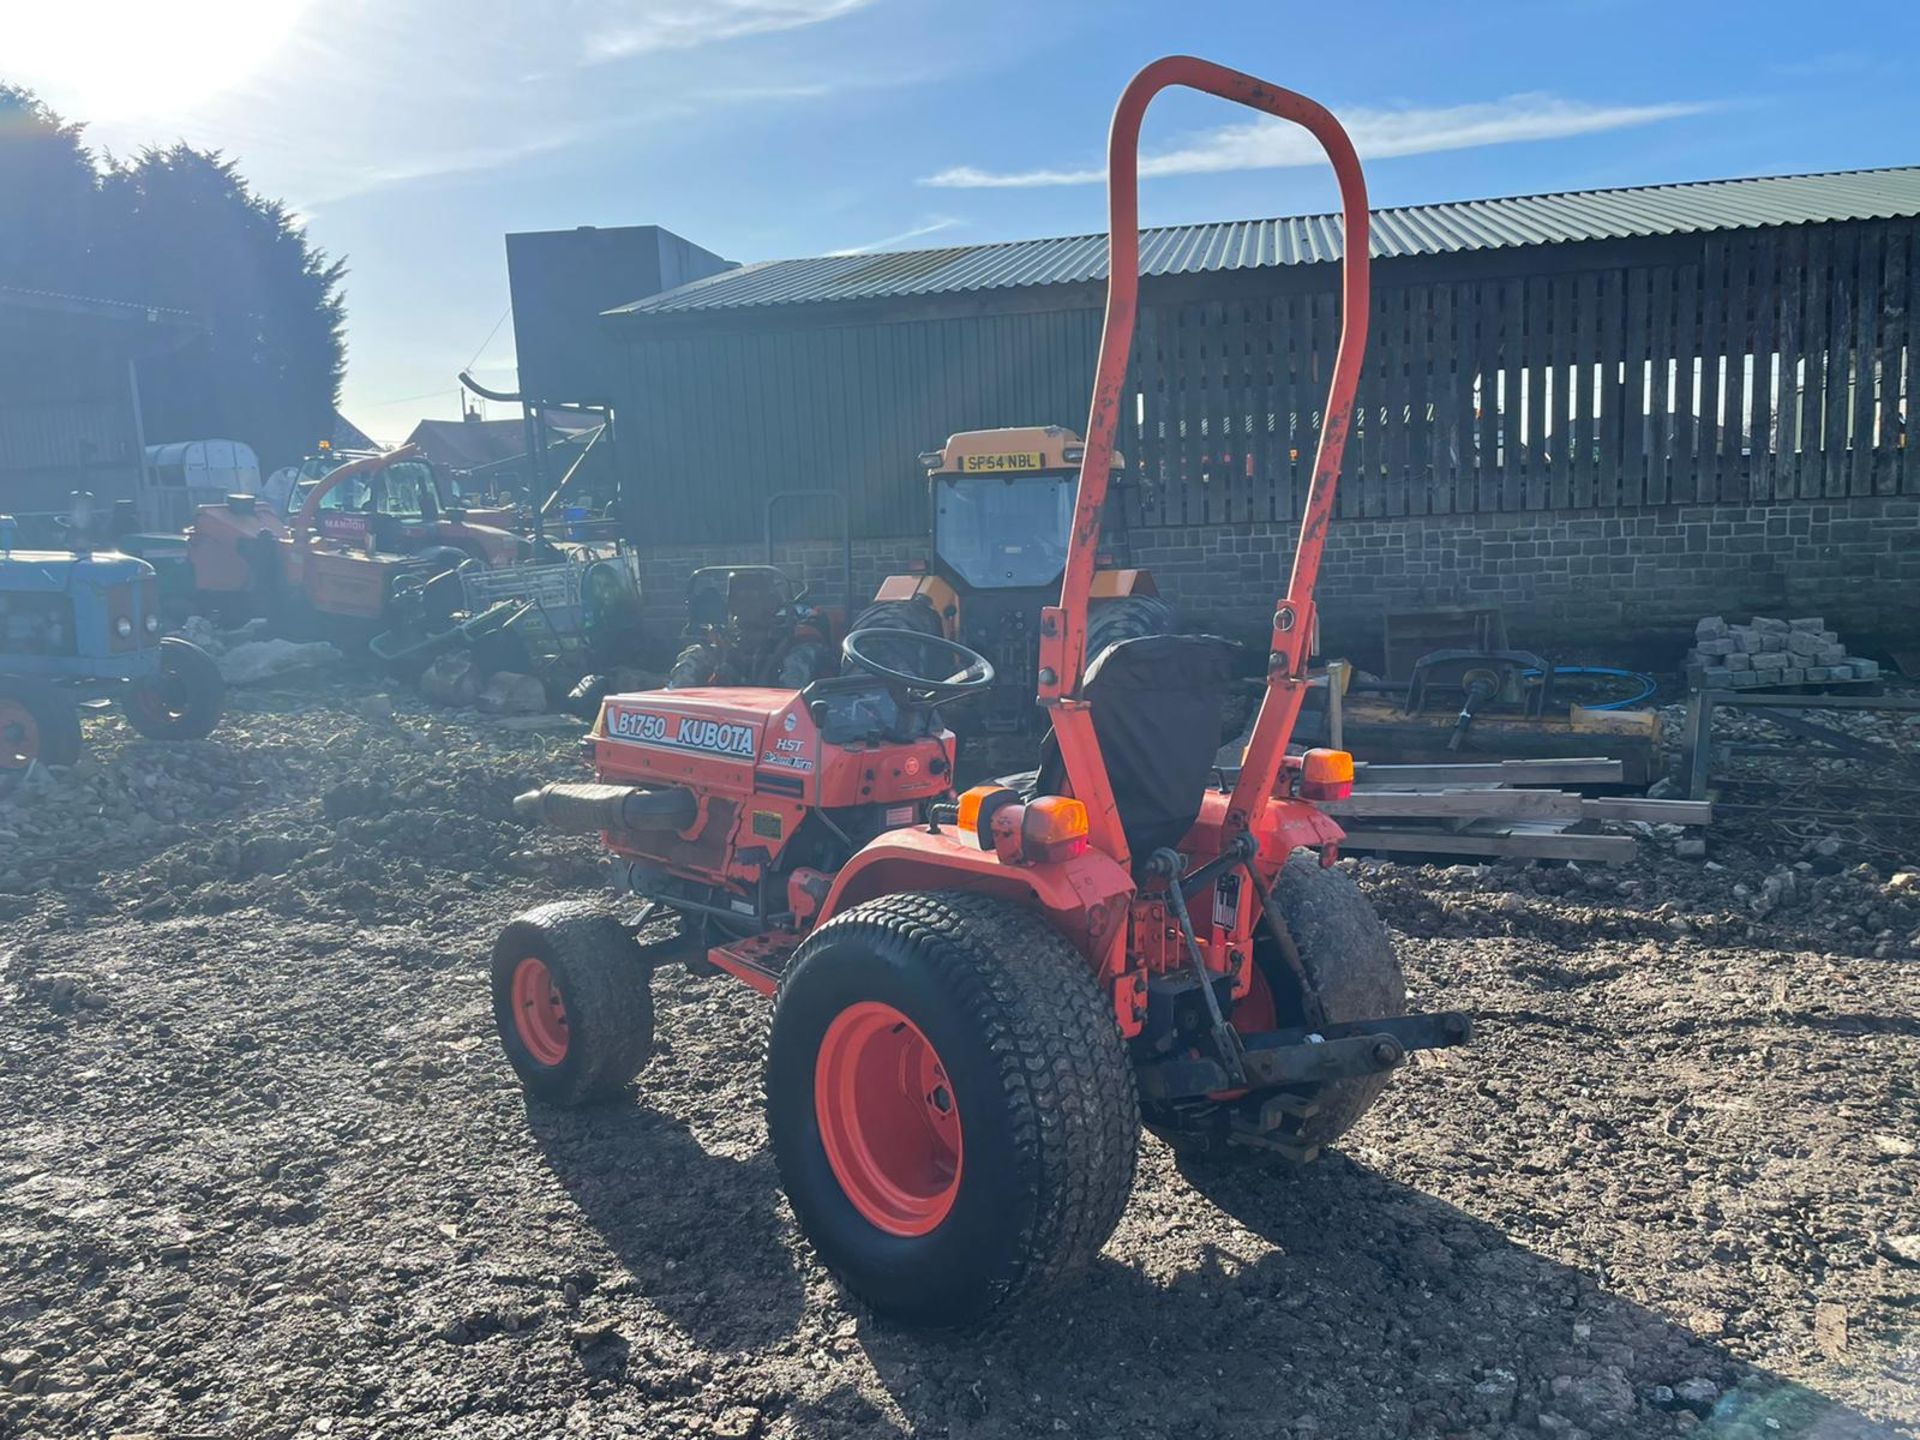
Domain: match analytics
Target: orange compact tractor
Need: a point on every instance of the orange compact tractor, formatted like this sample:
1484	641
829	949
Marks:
351	534
978	999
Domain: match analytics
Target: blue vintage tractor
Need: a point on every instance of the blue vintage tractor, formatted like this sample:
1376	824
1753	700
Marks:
80	627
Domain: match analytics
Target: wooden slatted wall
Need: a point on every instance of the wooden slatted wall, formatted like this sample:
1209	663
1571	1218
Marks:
1770	365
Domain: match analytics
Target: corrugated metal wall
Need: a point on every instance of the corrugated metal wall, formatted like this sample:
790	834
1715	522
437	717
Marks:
713	423
1745	365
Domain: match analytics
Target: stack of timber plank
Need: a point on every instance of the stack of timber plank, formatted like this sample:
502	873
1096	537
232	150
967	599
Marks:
1502	809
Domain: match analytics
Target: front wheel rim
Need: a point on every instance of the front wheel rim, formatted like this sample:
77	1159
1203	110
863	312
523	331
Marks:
539	1014
889	1121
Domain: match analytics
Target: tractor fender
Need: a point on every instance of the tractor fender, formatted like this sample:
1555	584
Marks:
1086	898
938	594
1112	584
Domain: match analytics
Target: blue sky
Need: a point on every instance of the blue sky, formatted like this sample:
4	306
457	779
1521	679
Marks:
413	136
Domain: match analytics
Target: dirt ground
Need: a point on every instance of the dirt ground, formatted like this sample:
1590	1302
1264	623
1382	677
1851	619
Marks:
264	1172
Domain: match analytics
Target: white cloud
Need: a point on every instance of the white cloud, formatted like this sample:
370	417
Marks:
932	227
1267	143
683	24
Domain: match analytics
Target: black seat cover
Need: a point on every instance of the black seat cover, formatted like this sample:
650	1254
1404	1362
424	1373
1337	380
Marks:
1157	706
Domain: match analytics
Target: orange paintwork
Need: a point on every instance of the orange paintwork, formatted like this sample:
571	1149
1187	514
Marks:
938	593
1112	584
756	759
1085	897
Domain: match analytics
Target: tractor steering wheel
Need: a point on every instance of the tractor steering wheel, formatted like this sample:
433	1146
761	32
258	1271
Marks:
975	674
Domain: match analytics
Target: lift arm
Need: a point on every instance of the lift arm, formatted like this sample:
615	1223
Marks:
1063	628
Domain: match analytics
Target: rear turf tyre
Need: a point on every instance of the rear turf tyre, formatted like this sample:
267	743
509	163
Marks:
1347	952
573	1003
1349	955
951	1106
916	615
1126	617
695	666
37	722
183	701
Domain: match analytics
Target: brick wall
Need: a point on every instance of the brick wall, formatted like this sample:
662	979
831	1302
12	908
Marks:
1625	583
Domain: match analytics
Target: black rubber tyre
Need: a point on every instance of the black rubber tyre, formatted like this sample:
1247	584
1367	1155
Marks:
183	701
695	666
1349	955
802	665
37	722
605	988
1040	1080
916	615
1126	617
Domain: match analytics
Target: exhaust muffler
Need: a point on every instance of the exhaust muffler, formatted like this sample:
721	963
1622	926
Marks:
587	809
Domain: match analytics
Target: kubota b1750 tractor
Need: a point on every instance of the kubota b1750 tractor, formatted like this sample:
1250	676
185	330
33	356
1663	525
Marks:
979	999
1002	506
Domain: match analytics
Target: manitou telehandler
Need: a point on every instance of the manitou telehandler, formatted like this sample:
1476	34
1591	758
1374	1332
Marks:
977	1001
348	540
1002	501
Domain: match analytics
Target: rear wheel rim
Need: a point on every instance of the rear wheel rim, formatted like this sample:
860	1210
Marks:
539	1014
889	1122
19	735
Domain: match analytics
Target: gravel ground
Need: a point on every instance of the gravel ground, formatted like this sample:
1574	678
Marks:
265	1173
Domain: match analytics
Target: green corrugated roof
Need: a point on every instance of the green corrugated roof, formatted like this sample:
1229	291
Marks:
1460	225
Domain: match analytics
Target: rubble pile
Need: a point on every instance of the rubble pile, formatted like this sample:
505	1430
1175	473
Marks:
267	1174
1766	652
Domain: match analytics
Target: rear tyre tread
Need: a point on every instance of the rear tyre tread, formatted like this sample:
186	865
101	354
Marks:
1125	617
695	666
606	988
1065	1080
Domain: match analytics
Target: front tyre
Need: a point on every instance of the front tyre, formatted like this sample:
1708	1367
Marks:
182	700
573	1003
951	1105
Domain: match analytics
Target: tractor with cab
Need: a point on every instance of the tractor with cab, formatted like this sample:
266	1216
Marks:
80	628
1002	503
980	998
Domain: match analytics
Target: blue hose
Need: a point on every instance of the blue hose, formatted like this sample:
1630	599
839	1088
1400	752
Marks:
1648	685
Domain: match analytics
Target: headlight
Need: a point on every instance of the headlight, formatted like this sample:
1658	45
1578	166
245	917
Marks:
123	627
153	624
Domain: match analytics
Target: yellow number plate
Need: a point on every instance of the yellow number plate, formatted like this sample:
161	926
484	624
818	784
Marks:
988	464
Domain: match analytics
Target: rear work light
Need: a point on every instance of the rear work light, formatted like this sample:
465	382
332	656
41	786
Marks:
1053	828
977	809
1326	775
1043	831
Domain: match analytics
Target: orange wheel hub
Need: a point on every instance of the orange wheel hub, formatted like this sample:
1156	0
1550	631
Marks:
538	1013
888	1119
19	735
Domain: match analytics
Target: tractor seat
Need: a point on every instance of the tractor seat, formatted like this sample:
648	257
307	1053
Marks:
1158	701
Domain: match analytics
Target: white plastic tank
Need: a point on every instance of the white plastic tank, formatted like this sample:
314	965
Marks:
187	474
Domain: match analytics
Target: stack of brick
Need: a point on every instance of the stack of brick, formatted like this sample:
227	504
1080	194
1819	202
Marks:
1766	652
